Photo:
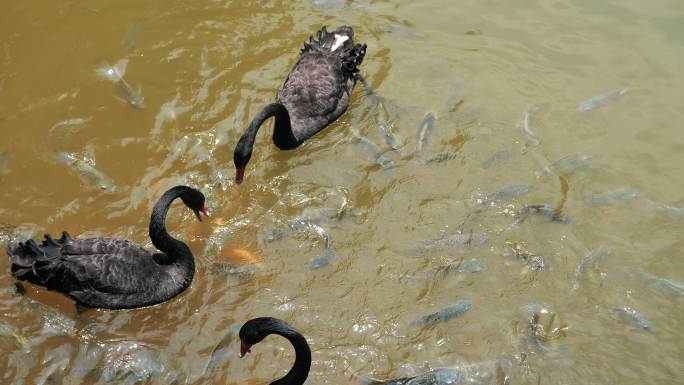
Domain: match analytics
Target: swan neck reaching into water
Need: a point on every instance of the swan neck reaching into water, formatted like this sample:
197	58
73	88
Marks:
178	251
300	370
283	137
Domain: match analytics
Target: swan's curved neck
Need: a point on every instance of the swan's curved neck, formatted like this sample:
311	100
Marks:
300	370
178	251
283	137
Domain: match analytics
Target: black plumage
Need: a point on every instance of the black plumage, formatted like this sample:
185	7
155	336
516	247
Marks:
255	330
316	92
108	272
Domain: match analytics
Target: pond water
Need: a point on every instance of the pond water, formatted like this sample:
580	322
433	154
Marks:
542	210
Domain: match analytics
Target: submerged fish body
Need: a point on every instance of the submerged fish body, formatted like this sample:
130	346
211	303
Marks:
541	326
88	173
567	164
456	310
506	193
4	156
423	133
496	158
531	138
322	260
664	285
455	242
601	100
590	260
545	211
375	154
490	372
517	252
441	157
115	74
629	315
612	196
463	267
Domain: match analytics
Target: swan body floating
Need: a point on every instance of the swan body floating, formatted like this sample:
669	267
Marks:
113	273
316	92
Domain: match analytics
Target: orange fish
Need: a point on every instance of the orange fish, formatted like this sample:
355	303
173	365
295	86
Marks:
245	256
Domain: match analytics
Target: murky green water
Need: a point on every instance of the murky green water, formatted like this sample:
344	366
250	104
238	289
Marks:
205	67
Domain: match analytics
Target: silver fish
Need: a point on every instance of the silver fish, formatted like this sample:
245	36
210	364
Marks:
672	211
613	196
4	156
627	314
115	74
531	137
545	211
496	158
441	157
505	193
601	100
455	242
374	154
566	165
88	173
322	260
392	140
589	260
456	310
663	284
463	267
532	261
423	133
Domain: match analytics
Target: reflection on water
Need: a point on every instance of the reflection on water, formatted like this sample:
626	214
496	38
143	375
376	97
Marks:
352	237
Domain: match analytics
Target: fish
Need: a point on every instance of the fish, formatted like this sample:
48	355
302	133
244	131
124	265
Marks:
9	331
441	157
613	196
224	347
4	157
532	261
244	256
494	372
589	260
322	260
541	326
506	193
115	74
496	158
566	165
531	138
627	314
423	133
672	211
545	211
375	155
88	173
663	284
456	310
601	100
463	267
392	139
455	242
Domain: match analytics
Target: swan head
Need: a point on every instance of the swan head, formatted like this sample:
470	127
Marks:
241	156
255	330
195	201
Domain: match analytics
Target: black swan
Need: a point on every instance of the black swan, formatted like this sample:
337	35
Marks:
113	273
255	330
316	92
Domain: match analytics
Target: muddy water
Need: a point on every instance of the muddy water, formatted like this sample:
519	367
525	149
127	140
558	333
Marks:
205	68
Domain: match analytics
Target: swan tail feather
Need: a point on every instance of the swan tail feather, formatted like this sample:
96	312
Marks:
339	42
35	263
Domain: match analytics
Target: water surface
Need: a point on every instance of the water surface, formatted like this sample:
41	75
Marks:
204	69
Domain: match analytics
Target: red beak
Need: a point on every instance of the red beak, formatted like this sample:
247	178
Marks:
244	349
239	175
